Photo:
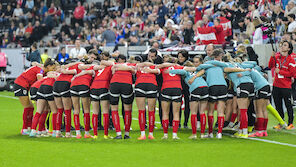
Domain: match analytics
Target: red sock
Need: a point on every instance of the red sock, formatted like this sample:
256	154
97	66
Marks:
128	120
25	118
87	121
151	120
115	120
210	123
193	123
260	122
165	125
220	124
265	123
106	123
30	117
175	126
95	124
60	118
42	120
243	119
76	122
35	120
54	121
202	123
233	117
68	120
142	120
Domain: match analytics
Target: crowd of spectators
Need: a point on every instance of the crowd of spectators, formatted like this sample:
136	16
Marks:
170	22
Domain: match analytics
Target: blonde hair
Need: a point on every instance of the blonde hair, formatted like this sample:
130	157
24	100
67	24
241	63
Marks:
188	64
237	60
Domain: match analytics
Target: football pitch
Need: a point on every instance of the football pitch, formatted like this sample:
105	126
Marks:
278	149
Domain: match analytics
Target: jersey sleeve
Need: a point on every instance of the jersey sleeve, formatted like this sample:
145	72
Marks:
178	71
204	66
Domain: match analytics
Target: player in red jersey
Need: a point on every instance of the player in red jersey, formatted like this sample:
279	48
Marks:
99	93
61	92
44	97
79	88
22	86
171	92
33	95
146	88
121	85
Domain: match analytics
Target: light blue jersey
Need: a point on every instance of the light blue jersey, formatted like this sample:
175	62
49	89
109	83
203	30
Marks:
257	77
198	82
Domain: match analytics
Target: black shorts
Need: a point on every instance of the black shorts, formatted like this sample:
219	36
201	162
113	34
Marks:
263	93
217	93
45	92
19	90
245	90
61	89
2	69
121	89
80	91
200	94
147	90
99	94
230	94
33	93
171	94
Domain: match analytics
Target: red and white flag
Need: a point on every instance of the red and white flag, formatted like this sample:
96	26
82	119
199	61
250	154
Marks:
226	26
206	35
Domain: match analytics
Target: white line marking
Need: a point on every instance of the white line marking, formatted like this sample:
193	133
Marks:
10	97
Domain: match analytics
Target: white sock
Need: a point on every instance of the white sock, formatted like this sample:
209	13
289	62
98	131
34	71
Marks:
33	131
78	132
174	134
240	131
151	133
29	128
54	131
118	133
142	133
25	130
245	131
165	134
126	133
58	132
68	133
86	132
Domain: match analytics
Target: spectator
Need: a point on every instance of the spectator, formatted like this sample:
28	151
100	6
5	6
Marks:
219	31
162	11
29	28
18	13
209	51
52	10
292	25
258	35
79	14
62	56
21	28
188	33
250	28
34	55
109	37
44	56
207	22
42	8
78	52
290	8
2	14
159	33
3	64
8	13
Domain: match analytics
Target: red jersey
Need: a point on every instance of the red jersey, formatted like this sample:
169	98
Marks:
38	83
48	81
171	80
28	77
68	77
143	77
123	76
102	78
287	70
83	79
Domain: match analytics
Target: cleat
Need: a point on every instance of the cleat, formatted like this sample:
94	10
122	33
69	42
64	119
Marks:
78	136
95	137
277	127
256	134
203	136
176	138
33	134
150	137
44	135
53	135
250	129
219	136
193	137
244	136
165	137
25	133
290	127
142	138
59	135
69	136
108	137
228	128
88	136
264	134
126	137
185	127
237	135
210	135
118	137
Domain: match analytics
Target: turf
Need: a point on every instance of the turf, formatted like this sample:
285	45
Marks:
17	150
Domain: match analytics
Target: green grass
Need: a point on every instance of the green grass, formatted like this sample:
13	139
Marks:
17	150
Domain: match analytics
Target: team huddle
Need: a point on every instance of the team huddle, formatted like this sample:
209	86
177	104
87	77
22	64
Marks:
223	83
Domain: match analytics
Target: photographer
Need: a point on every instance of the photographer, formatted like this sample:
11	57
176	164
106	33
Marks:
258	35
34	54
284	66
